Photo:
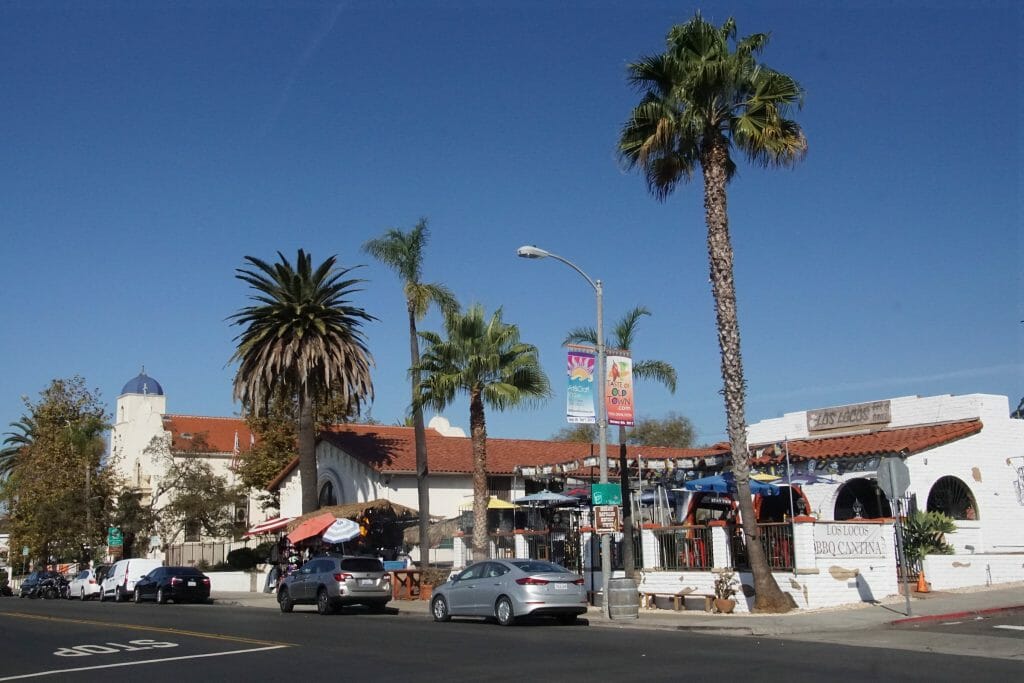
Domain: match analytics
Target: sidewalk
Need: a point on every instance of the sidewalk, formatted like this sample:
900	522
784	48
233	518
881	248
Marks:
928	606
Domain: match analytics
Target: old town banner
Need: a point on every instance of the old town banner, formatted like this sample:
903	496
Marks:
619	390
580	396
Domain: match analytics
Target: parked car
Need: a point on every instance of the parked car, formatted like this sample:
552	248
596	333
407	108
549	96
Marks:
508	589
180	584
332	582
34	583
120	580
86	583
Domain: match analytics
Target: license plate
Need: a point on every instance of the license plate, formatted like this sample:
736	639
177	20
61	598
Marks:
366	582
561	586
191	583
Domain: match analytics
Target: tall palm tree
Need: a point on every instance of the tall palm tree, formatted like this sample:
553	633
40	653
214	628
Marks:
403	253
484	359
703	98
14	444
303	336
657	370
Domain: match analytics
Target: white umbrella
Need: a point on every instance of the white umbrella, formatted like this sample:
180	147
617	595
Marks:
340	530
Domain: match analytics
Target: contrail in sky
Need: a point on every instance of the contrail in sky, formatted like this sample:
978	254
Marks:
307	54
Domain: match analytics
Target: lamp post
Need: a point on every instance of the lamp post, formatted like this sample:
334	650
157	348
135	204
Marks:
602	416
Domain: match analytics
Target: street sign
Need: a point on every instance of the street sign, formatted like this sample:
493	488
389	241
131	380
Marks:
606	519
24	551
114	537
606	494
893	477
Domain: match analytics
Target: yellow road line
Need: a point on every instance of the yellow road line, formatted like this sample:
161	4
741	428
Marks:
140	627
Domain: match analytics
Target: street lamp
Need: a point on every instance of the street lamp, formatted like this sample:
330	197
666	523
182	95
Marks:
602	415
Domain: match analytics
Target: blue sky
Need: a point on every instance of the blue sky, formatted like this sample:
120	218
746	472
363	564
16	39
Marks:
148	147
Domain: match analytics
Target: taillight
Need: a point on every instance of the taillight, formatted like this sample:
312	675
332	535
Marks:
92	580
175	581
531	581
579	581
342	576
206	581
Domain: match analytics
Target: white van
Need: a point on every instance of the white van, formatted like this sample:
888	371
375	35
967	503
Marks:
122	575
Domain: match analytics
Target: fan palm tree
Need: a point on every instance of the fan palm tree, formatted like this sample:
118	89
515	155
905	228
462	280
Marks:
303	336
484	359
403	253
702	99
657	370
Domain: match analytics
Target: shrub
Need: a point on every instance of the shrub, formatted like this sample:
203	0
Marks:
924	533
725	585
221	567
243	558
203	565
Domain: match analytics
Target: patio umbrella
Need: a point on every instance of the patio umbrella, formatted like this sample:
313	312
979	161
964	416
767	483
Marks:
314	526
725	483
340	530
546	497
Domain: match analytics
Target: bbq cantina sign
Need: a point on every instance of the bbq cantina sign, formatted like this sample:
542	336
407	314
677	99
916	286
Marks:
849	541
859	415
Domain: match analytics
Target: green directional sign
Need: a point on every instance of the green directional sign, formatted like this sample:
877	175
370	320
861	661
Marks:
114	537
606	494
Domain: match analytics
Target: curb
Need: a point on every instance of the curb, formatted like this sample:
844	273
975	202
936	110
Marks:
955	615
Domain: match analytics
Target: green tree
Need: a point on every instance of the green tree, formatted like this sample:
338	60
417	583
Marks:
274	448
704	97
671	431
580	433
303	336
16	442
56	488
624	333
403	253
188	494
484	359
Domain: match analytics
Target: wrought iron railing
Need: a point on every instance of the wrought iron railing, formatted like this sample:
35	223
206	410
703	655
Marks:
777	540
682	548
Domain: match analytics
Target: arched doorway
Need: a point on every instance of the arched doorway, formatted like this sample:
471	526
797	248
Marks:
328	496
953	498
861	499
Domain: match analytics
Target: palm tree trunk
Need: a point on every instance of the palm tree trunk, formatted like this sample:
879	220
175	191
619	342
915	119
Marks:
628	560
714	157
307	452
422	484
478	434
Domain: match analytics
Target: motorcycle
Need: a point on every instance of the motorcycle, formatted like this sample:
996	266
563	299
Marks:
53	587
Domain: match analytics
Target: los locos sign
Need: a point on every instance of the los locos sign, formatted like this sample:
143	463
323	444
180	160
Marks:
849	541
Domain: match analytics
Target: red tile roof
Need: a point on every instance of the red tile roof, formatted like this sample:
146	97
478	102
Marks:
902	440
219	432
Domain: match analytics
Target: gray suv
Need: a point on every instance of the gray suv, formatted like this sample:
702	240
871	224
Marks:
334	581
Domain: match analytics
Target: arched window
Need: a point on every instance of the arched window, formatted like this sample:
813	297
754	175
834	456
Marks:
861	499
327	495
953	498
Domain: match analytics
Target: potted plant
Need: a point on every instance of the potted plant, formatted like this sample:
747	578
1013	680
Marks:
725	589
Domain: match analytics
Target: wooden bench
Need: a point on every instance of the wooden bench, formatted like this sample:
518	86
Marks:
648	599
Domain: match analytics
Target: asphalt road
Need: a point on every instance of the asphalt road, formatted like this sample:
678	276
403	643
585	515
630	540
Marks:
1007	624
72	641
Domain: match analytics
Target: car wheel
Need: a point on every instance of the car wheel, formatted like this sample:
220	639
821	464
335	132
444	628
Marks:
323	602
161	599
503	611
439	608
103	596
82	596
138	596
567	619
119	595
285	601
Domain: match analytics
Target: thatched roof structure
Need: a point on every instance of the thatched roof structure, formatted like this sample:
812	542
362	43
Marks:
353	510
435	532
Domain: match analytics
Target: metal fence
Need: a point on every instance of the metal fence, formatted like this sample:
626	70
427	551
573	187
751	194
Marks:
777	540
684	548
191	554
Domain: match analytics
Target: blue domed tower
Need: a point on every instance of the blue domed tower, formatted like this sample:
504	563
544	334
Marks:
139	418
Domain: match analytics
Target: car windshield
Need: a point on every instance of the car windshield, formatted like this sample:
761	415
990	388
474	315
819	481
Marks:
361	564
539	567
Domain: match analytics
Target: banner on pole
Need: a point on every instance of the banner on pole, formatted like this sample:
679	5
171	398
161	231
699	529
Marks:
580	395
619	390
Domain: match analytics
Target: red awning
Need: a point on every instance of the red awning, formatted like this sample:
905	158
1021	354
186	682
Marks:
314	526
269	526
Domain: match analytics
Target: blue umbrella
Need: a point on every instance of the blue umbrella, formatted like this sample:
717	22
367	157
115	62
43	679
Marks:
725	483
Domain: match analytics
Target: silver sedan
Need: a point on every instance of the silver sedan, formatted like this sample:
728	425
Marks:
508	589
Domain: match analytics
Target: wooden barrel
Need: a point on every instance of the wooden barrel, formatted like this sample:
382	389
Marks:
623	599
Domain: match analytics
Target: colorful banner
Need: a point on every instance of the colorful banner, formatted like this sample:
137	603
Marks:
619	390
580	396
